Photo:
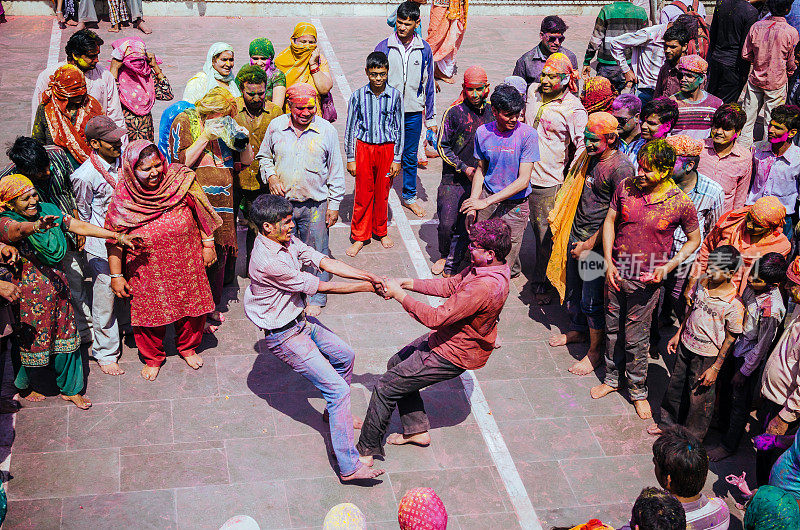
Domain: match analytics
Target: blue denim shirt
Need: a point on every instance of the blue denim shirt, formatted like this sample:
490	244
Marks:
775	175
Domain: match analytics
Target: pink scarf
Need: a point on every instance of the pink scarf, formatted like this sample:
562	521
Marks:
137	91
98	165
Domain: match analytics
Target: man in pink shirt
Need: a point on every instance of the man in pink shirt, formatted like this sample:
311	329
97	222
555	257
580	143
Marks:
770	47
724	160
464	333
275	302
83	50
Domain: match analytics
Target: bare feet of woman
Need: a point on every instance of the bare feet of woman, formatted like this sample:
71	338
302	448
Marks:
80	401
354	249
150	372
438	267
210	328
570	337
422	439
195	361
653	429
35	397
415	208
643	409
719	453
601	390
363	473
313	310
386	242
112	369
216	315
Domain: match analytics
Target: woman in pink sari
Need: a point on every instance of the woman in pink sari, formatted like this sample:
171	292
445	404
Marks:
165	278
141	82
445	33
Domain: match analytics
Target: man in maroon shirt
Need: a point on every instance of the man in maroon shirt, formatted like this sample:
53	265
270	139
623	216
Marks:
464	333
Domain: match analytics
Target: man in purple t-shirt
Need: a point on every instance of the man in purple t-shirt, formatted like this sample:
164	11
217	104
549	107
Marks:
638	234
506	150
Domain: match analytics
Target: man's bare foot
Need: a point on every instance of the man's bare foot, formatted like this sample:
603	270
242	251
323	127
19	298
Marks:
35	397
357	422
71	22
194	360
601	390
643	409
141	26
562	339
367	460
387	242
112	369
585	366
363	473
415	208
354	249
150	372
422	439
80	25
114	28
313	310
653	429
719	453
80	401
438	267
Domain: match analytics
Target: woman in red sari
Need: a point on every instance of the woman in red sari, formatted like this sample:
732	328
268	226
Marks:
166	278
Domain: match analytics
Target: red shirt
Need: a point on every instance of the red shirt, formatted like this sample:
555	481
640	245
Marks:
465	325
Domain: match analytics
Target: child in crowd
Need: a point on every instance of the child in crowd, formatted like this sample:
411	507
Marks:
373	143
706	334
741	375
681	466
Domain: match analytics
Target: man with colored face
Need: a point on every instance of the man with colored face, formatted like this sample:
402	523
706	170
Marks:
83	50
627	109
638	234
695	105
776	164
457	148
255	113
553	109
676	42
300	160
530	65
724	160
606	169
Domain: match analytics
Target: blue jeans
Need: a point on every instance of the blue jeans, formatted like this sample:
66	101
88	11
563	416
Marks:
584	299
310	228
320	356
413	129
645	95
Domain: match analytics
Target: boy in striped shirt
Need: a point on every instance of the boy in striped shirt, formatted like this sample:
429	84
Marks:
696	107
373	143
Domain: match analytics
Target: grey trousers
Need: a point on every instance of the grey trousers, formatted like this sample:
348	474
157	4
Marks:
513	212
541	202
74	267
106	308
86	11
135	7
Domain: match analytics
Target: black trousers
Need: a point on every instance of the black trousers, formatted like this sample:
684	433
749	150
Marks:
735	402
727	82
687	403
409	371
766	459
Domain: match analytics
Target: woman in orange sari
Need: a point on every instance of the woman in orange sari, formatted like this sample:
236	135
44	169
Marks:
753	230
445	32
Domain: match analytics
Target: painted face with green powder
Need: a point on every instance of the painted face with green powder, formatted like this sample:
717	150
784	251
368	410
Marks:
690	81
596	144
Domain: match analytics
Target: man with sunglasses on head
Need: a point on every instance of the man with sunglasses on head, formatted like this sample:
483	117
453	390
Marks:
696	107
529	66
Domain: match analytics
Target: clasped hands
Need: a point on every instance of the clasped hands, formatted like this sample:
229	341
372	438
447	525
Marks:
389	287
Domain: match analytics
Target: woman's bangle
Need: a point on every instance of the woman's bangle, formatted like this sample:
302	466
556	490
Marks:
207	239
715	368
205	245
314	70
37	226
116	275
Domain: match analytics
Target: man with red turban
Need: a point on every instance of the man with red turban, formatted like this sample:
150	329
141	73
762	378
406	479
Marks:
559	118
604	167
457	148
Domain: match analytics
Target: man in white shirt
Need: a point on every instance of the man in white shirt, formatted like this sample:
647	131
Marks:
93	184
647	58
672	10
83	50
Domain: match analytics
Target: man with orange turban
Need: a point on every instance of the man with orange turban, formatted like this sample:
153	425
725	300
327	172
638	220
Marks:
300	160
605	168
696	107
457	148
559	119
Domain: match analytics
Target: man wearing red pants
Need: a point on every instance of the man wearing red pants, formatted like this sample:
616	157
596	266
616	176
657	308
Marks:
373	144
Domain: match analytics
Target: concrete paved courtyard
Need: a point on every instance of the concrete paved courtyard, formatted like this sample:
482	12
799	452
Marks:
244	434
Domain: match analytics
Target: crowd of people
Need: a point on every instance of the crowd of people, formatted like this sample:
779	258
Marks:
656	201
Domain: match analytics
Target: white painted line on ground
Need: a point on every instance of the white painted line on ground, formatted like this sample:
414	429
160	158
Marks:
480	407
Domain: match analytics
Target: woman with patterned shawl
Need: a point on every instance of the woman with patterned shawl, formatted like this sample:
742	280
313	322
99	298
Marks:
193	143
165	279
141	82
48	335
217	72
65	110
262	53
446	30
302	62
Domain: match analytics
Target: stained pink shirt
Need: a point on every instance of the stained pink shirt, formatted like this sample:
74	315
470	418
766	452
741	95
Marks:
770	47
732	171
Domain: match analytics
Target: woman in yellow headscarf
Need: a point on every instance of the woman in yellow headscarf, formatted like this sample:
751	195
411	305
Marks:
302	62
